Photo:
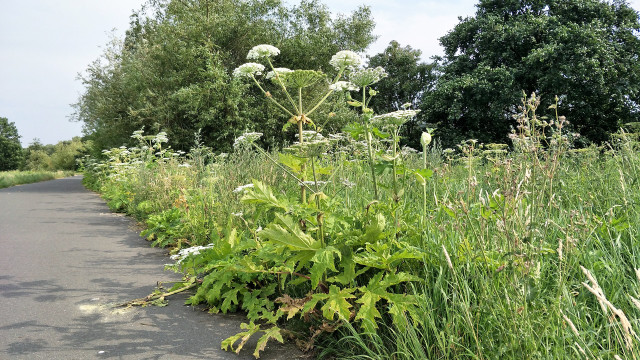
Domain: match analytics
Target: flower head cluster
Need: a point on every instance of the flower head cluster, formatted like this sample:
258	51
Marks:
248	70
242	188
344	59
186	252
310	136
368	76
161	137
262	51
343	86
279	71
396	118
247	139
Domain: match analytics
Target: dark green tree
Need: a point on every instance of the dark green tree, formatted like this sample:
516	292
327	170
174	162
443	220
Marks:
408	81
10	148
172	72
584	51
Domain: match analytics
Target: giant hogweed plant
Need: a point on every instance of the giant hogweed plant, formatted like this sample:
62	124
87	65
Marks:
307	256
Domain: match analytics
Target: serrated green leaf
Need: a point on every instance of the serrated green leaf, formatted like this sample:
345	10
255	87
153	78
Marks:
262	194
289	234
368	313
291	161
336	303
323	259
242	336
272	333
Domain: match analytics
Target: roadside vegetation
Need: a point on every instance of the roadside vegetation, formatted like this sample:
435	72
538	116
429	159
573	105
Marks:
356	247
12	178
388	210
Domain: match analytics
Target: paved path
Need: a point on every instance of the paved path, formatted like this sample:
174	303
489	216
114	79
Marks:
64	258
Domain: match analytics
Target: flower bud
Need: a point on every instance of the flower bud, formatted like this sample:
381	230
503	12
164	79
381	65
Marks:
425	139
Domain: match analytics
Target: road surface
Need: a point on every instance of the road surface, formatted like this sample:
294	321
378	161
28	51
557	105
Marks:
65	259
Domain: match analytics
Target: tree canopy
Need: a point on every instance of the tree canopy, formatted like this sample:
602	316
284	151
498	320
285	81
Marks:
172	72
584	51
10	147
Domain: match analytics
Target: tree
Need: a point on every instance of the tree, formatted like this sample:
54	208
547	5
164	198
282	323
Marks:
408	81
10	148
584	51
172	72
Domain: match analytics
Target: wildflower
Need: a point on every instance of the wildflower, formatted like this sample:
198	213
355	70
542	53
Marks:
247	139
313	183
344	59
343	86
238	214
184	253
367	77
248	70
279	71
310	135
262	51
161	137
185	165
348	183
242	188
396	118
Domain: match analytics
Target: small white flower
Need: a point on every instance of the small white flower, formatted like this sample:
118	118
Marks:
279	71
346	58
313	183
348	183
262	51
238	214
242	188
185	165
248	70
343	86
247	139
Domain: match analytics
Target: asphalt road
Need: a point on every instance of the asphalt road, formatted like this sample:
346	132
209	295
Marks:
65	259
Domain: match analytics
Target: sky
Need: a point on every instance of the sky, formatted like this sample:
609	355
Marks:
45	44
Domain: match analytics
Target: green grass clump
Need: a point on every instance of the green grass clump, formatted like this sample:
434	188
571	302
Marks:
13	178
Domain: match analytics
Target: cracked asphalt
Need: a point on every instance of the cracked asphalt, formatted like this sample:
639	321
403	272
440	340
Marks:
65	260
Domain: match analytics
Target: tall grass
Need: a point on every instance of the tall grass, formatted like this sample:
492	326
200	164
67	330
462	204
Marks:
13	178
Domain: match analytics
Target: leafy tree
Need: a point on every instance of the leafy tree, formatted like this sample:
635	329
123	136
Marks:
172	72
584	51
10	148
408	81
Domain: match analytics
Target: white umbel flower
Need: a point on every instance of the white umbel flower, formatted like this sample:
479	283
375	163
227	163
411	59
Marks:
343	86
248	70
344	59
247	139
262	51
279	71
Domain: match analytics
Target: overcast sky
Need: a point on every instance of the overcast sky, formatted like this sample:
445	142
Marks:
44	44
